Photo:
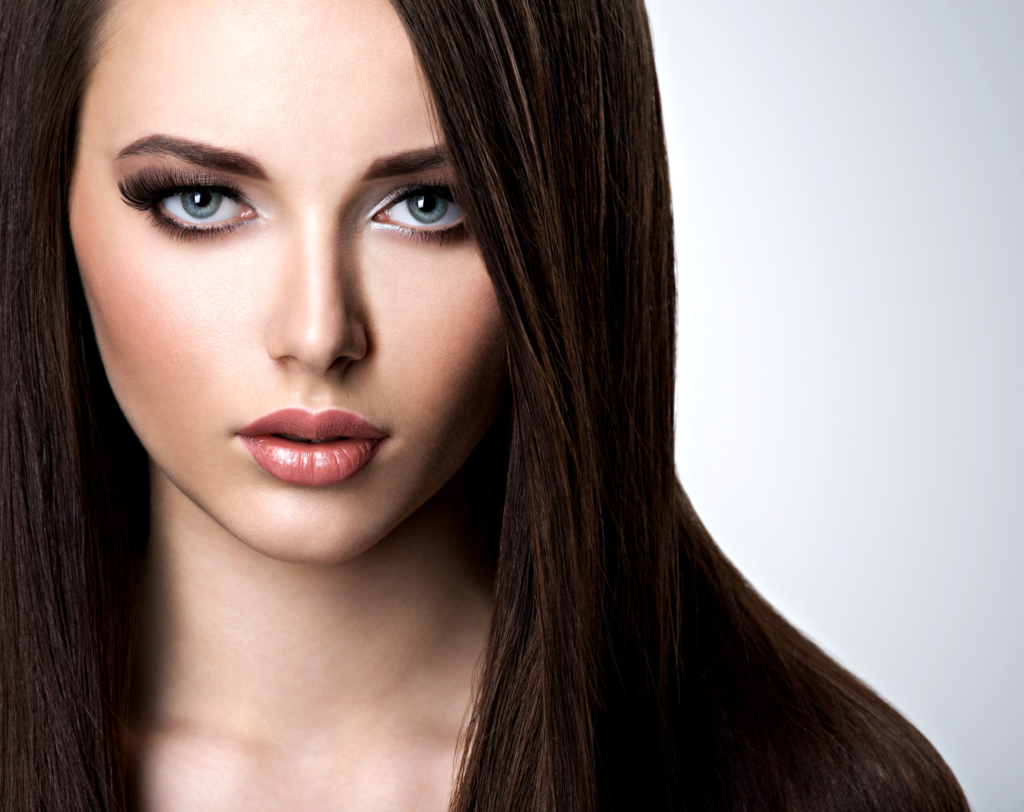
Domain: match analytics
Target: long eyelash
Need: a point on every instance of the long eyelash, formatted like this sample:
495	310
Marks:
437	187
145	191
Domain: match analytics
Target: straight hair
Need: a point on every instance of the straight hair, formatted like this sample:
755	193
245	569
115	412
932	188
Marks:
73	482
629	664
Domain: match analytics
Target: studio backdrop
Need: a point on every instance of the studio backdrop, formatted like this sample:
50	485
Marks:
848	185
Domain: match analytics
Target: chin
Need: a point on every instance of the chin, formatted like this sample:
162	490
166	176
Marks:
305	548
281	522
324	532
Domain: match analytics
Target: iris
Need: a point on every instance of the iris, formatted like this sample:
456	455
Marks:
427	208
201	203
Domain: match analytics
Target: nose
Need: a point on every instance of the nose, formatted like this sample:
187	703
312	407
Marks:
316	321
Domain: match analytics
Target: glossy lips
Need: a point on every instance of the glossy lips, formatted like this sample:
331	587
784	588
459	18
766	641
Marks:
343	444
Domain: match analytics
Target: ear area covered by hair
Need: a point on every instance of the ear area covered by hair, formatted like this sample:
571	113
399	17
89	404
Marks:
629	665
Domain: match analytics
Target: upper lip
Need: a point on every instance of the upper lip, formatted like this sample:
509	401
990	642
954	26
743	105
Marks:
323	425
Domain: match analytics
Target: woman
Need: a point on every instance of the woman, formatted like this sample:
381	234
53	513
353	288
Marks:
386	293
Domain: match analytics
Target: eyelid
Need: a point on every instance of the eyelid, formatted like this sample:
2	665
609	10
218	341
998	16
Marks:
228	209
408	190
149	187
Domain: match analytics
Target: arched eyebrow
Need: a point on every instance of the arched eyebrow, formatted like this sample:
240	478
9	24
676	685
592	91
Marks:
238	163
195	152
406	163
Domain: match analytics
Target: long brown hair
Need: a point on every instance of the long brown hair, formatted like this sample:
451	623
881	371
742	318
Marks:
73	501
629	665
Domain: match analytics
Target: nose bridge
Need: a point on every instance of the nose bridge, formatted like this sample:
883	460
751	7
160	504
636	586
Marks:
316	319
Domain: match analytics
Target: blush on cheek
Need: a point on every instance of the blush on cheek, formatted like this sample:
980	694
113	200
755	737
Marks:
142	332
134	340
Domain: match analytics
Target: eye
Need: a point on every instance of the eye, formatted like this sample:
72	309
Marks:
201	206
425	207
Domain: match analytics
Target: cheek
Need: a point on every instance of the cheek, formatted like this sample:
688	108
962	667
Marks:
444	351
155	327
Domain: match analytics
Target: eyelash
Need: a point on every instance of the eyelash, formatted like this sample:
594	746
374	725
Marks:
146	190
437	235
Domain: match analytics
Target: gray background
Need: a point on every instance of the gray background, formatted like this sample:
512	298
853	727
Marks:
849	187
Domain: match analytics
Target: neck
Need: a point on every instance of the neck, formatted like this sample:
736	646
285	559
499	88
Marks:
242	645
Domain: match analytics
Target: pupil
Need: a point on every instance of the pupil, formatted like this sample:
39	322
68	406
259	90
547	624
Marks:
426	203
201	199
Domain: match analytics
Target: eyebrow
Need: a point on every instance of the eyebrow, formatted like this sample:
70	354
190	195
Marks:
195	152
225	160
405	163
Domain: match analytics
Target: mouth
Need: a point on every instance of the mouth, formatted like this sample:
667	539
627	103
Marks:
312	449
296	439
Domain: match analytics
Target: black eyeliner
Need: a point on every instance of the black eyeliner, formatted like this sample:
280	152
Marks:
147	188
439	188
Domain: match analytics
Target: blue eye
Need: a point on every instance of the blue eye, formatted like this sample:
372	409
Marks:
425	207
201	206
201	203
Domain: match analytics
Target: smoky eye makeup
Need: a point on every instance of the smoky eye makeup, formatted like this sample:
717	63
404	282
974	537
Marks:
187	204
191	205
424	211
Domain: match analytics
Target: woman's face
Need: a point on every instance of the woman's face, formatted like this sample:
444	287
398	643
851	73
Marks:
258	211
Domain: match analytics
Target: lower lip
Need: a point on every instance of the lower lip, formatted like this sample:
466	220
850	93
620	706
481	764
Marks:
309	464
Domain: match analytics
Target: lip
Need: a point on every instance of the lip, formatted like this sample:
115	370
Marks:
326	461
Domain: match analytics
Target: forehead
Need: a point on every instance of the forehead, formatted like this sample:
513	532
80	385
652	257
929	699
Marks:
299	83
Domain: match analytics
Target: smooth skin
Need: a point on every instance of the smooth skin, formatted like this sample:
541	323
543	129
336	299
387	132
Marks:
299	648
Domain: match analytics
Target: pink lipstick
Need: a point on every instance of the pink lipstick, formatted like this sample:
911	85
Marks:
312	448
